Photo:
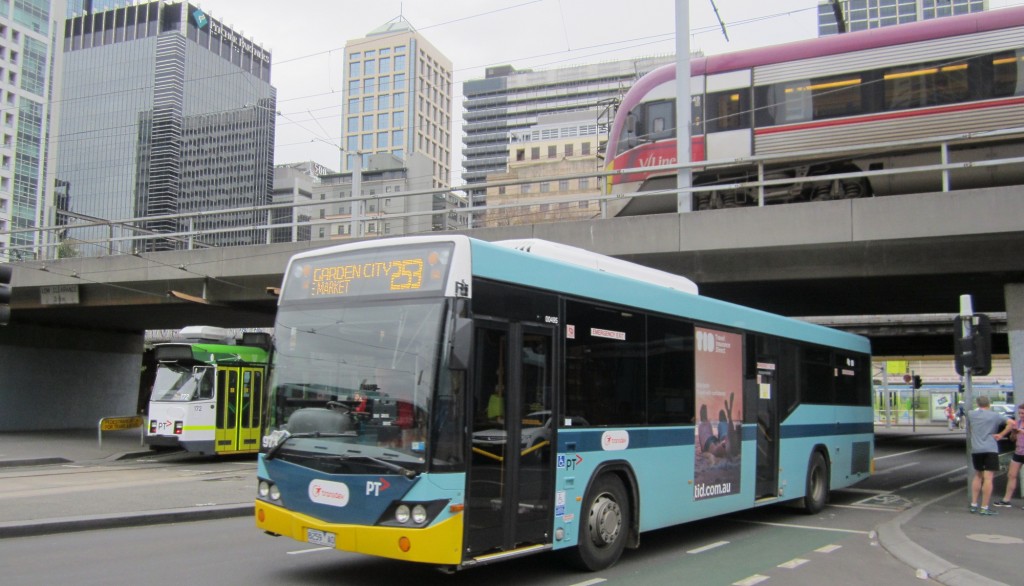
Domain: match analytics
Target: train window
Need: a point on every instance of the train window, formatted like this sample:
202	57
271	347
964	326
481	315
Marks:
833	97
951	85
780	104
660	120
917	86
1008	74
728	110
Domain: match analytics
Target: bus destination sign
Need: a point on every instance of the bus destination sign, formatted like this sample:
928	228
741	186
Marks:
382	271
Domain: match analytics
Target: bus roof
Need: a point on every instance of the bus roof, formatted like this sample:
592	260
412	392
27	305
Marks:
504	263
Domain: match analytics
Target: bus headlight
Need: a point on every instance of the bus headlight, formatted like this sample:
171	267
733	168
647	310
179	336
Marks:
419	515
268	491
412	513
402	514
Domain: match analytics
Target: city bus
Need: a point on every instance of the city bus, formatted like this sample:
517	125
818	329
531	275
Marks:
454	402
207	395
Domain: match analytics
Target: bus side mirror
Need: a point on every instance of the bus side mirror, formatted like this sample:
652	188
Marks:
462	344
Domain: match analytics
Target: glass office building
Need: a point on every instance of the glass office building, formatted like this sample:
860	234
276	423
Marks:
865	14
165	111
27	69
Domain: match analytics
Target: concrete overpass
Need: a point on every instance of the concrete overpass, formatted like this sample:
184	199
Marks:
908	254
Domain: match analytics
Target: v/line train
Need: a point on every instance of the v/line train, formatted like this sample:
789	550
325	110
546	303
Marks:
208	393
929	79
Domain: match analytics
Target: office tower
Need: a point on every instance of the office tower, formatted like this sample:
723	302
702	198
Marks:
562	145
864	14
293	183
76	7
165	111
508	101
28	65
384	210
398	99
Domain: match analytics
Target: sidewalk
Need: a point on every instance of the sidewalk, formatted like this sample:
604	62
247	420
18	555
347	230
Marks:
66	481
70	481
953	546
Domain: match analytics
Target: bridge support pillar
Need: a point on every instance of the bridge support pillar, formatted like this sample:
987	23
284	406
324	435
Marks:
64	378
1014	293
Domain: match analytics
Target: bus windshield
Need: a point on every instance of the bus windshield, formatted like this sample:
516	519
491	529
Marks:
175	382
354	379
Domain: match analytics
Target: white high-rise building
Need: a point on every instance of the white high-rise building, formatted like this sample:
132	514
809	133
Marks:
398	99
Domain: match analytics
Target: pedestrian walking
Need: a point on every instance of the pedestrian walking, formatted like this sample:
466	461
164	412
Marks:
950	417
986	428
1016	434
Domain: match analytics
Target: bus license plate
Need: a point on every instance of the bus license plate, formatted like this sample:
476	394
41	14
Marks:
318	537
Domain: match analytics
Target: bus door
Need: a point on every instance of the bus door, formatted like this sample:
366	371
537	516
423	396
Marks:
239	403
511	475
767	387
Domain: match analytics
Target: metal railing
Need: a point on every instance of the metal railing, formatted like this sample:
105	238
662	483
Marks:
129	235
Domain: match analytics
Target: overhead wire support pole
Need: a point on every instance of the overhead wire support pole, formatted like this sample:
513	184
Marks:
684	197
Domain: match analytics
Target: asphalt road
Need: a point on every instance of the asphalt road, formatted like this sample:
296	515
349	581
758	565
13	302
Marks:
772	545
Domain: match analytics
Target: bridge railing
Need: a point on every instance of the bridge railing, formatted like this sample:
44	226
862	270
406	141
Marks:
456	210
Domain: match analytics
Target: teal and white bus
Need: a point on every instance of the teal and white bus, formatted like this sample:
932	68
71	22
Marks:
404	369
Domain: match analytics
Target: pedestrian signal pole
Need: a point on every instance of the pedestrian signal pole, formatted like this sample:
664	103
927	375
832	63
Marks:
962	333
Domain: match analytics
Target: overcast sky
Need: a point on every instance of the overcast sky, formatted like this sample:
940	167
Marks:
307	39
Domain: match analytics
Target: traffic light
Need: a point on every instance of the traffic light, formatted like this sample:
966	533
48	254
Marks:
5	293
916	381
973	352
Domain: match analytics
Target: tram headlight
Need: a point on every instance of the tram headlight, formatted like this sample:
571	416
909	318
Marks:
419	515
402	514
263	489
275	492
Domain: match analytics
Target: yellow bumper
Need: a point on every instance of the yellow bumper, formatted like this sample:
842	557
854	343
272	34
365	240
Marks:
439	544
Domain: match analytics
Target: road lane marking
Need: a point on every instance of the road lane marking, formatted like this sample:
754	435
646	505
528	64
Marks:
905	453
313	550
792	526
708	547
793	563
895	468
863	490
828	548
755	579
953	471
590	582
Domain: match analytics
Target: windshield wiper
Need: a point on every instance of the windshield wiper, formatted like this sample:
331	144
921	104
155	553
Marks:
389	465
284	436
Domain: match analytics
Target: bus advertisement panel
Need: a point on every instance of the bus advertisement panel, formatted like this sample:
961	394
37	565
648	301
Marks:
718	449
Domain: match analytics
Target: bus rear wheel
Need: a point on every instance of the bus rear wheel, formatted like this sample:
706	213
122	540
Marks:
605	526
817	485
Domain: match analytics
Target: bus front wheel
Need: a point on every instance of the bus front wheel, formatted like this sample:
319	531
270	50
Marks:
817	484
605	526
